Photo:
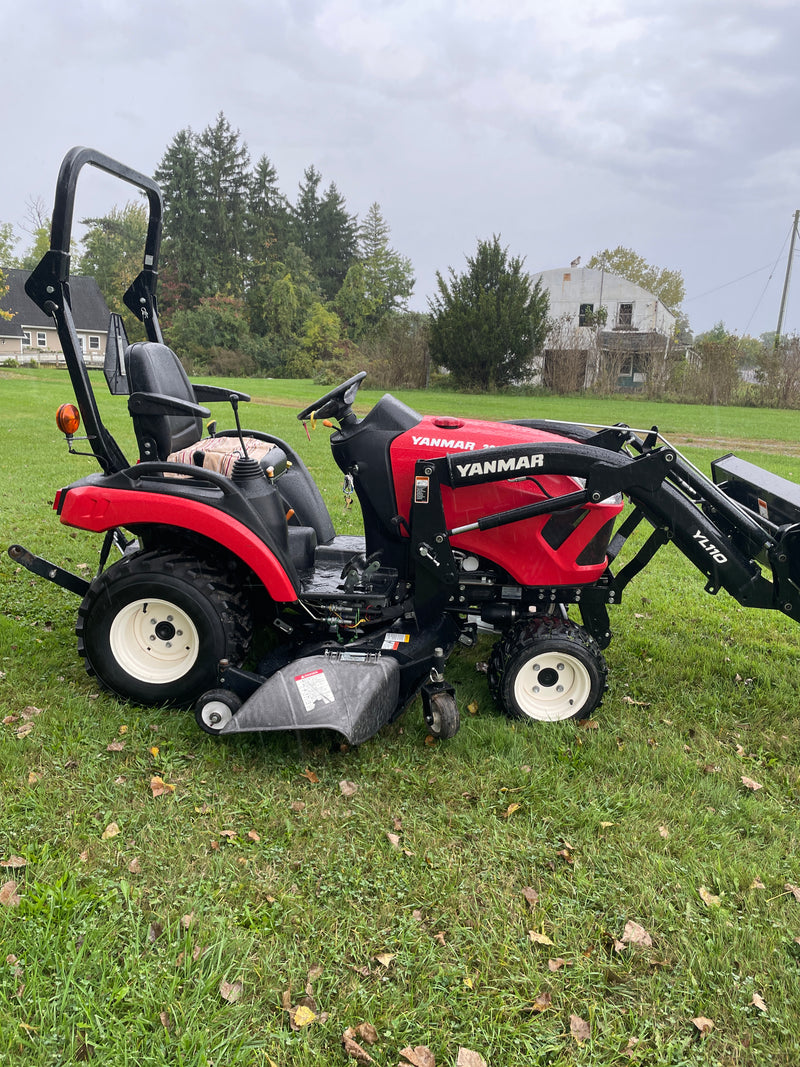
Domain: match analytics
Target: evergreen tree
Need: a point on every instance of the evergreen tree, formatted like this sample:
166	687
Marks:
488	323
389	277
325	231
223	163
184	269
267	216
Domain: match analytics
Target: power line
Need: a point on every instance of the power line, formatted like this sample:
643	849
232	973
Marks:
725	285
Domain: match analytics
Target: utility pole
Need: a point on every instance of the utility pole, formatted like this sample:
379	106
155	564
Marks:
786	279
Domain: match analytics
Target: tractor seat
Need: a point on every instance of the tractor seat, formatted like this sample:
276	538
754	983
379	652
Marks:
168	419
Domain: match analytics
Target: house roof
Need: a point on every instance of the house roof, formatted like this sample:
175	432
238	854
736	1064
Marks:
89	309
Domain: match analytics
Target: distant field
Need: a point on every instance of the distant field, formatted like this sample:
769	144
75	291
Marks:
476	893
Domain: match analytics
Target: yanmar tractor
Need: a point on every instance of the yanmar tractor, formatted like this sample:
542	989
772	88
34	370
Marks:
467	524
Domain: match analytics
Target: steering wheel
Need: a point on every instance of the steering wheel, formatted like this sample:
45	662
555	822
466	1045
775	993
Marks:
338	403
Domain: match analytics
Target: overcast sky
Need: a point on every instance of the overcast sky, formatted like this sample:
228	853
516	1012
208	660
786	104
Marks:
670	128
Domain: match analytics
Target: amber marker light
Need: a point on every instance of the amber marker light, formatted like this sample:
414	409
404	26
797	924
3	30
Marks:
68	419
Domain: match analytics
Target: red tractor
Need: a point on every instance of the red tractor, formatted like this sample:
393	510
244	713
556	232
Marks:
467	524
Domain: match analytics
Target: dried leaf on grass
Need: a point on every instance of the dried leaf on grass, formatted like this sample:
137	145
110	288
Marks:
467	1058
230	991
579	1028
9	897
393	839
354	1050
708	898
704	1025
793	889
419	1056
542	1002
159	787
530	895
748	783
539	939
347	789
301	1015
634	934
557	963
14	861
758	1002
110	831
385	958
115	746
309	774
510	810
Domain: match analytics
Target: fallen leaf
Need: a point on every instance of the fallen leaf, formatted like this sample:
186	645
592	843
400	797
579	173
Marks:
439	937
347	789
187	921
314	973
467	1058
367	1032
115	746
510	810
539	939
531	895
793	889
589	724
634	934
155	931
385	958
8	895
606	825
565	855
30	711
159	787
579	1028
629	1048
83	856
393	840
708	898
748	783
473	707
663	831
135	866
230	991
14	861
704	1025
757	883
420	1056
557	964
110	831
542	1002
636	703
164	1018
308	773
301	1016
253	835
353	1049
25	729
154	751
230	834
33	778
758	1002
417	914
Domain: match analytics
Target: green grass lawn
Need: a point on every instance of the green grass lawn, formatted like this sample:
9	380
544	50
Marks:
471	894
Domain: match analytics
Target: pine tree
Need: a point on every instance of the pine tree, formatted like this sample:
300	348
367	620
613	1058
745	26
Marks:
223	163
488	322
184	268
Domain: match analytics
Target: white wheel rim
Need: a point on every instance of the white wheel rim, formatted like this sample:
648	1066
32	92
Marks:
154	641
552	686
216	714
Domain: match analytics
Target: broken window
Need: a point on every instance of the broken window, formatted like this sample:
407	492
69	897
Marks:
586	315
625	315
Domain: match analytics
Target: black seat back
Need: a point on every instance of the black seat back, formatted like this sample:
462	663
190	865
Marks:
154	368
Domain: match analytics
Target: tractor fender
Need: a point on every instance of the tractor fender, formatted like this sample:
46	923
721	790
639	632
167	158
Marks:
97	508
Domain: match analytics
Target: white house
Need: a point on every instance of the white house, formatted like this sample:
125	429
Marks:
603	319
30	334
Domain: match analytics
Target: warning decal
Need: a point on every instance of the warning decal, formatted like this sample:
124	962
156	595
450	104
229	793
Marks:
314	688
394	640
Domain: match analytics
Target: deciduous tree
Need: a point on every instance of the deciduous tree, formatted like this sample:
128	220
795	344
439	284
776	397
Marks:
667	285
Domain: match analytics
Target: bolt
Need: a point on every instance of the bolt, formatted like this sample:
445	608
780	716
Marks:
179	633
169	618
153	622
152	637
536	689
559	666
169	644
559	688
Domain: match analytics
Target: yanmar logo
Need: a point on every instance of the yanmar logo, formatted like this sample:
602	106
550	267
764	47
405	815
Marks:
500	466
445	442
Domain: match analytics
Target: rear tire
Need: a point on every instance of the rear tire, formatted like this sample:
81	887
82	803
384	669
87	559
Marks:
153	627
547	670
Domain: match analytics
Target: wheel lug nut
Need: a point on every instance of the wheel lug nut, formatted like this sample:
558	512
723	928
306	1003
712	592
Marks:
169	644
559	688
559	666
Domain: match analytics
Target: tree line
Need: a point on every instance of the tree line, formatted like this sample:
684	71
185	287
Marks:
252	282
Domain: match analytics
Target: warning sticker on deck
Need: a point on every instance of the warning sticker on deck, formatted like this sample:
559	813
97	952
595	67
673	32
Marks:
395	640
314	688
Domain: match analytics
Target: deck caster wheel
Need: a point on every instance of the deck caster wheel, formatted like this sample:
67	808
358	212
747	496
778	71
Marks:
215	709
547	670
440	711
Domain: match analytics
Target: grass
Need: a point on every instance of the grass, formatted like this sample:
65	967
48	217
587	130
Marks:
258	869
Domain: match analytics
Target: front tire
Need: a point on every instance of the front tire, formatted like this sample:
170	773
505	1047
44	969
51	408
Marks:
547	670
153	627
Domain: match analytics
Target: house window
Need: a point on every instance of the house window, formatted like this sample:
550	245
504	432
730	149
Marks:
625	315
80	344
586	315
94	342
41	339
26	337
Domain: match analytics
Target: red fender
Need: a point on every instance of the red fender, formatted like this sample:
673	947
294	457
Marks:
92	507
